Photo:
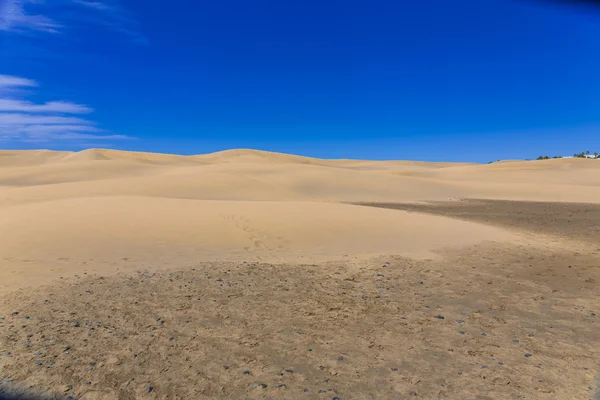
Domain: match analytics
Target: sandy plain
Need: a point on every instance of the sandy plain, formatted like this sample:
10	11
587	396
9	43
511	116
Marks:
247	274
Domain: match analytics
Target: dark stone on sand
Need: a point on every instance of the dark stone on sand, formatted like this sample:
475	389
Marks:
76	325
305	390
51	364
336	398
279	374
531	335
515	340
225	366
38	362
439	316
484	334
394	369
26	345
420	282
322	391
460	321
483	366
461	332
149	389
464	314
289	371
67	348
308	349
299	333
528	354
412	394
280	385
15	313
246	372
340	358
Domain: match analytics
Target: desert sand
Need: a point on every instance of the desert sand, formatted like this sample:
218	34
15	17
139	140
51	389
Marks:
248	274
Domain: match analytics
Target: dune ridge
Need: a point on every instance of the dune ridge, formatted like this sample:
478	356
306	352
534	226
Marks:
106	210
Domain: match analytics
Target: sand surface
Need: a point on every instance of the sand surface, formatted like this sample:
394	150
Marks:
123	271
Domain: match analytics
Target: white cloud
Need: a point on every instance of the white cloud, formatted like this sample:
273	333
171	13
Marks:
50	107
93	4
16	17
13	17
9	81
26	121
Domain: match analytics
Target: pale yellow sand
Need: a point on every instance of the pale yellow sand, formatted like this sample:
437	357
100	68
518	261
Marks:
101	211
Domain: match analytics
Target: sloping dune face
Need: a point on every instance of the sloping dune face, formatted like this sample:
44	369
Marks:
97	210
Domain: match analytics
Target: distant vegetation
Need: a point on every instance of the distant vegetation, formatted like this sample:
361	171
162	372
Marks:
583	154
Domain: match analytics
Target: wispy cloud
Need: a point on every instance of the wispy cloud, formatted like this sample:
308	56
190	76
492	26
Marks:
9	81
93	4
26	121
17	16
50	107
14	17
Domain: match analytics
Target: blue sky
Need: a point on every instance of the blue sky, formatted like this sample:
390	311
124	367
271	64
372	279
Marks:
461	80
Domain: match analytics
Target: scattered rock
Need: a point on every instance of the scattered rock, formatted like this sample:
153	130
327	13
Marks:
394	369
149	389
483	366
483	334
225	366
528	354
515	340
531	335
340	358
308	349
460	321
259	385
439	316
420	282
280	385
38	362
289	371
412	394
246	372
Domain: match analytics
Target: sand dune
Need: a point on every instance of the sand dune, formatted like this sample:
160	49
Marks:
123	271
62	210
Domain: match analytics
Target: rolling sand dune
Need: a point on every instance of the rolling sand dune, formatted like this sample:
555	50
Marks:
110	242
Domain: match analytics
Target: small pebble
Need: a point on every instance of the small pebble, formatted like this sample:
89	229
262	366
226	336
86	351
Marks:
515	340
309	349
460	321
484	334
461	332
464	314
279	385
394	369
322	391
305	390
246	372
412	394
439	316
340	358
528	354
259	385
38	362
225	366
531	335
335	398
149	389
483	366
420	282
289	371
